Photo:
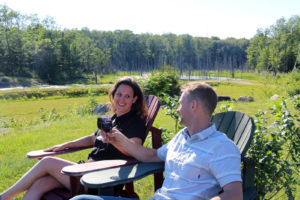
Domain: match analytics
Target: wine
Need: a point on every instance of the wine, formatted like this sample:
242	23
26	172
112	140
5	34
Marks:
104	123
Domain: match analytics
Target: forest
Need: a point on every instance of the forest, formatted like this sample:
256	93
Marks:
34	48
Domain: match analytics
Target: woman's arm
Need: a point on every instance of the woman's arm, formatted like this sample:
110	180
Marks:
81	142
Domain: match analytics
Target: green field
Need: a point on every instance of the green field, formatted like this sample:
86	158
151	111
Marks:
31	133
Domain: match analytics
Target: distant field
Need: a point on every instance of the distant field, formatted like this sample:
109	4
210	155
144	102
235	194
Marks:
30	110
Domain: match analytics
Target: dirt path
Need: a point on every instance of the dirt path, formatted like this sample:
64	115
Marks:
232	81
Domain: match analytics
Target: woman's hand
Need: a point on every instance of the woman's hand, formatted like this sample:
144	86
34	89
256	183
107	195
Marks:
58	147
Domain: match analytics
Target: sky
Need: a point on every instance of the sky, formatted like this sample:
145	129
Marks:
199	18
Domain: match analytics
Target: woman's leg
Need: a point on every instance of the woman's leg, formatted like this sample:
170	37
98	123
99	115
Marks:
49	166
40	187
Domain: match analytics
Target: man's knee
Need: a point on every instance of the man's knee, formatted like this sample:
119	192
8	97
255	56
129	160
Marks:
87	197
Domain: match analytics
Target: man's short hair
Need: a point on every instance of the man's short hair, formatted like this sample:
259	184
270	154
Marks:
203	93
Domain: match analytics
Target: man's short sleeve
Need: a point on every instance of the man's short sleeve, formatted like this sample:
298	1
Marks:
162	152
226	164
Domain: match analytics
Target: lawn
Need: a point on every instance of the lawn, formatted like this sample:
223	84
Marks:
15	142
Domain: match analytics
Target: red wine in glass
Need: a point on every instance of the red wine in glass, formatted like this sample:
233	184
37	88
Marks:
104	123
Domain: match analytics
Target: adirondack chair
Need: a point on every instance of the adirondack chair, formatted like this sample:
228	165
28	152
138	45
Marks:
238	126
76	171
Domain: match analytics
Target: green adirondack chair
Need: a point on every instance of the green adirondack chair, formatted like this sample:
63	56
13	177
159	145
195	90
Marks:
238	126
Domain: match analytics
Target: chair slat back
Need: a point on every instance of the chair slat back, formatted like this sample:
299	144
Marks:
153	104
238	126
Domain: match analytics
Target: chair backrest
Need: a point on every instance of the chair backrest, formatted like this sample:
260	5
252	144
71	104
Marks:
238	126
153	104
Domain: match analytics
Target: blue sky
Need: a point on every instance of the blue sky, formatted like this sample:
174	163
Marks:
227	18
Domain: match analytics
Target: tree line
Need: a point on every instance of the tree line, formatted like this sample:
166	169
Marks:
37	48
276	48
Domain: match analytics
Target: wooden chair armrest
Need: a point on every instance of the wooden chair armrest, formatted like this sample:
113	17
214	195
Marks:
84	168
41	153
120	175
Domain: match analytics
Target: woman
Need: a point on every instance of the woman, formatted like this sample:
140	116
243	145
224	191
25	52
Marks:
128	104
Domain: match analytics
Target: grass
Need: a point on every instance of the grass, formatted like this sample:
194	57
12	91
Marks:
16	142
12	157
30	110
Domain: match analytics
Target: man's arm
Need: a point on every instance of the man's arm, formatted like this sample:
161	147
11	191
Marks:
134	149
231	191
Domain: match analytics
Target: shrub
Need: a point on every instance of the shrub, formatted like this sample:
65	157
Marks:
161	84
225	106
171	105
293	82
3	123
51	115
88	108
275	151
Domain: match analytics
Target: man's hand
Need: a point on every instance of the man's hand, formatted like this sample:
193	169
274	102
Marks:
131	146
114	137
232	191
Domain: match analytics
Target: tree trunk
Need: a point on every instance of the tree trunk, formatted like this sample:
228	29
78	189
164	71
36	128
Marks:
296	61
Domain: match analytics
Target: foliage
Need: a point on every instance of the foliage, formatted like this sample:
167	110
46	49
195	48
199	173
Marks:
162	84
225	106
47	115
276	151
89	107
46	92
11	123
171	106
293	83
38	48
276	48
166	135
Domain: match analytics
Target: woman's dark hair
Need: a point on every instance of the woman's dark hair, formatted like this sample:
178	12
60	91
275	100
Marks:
139	107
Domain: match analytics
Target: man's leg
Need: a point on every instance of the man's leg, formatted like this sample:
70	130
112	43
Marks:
94	197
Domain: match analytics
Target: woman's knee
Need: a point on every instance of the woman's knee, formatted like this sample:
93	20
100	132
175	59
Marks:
48	160
53	163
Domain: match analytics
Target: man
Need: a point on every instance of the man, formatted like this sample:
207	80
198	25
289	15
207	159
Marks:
200	162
